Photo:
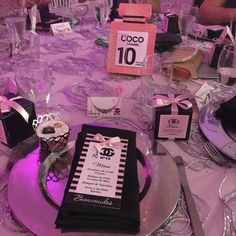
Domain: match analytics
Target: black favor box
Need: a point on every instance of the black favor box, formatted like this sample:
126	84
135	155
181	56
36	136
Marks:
13	127
211	34
174	127
215	53
171	23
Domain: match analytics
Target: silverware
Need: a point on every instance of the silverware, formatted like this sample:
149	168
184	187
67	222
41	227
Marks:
215	154
194	217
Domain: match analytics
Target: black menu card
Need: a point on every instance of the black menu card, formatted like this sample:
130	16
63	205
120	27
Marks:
102	192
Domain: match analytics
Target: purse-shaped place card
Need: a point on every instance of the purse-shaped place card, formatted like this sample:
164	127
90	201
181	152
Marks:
99	175
60	28
104	106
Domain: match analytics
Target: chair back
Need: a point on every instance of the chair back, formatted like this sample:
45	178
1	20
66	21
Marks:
59	3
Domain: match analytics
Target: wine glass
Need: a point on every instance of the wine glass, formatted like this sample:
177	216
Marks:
102	11
185	22
34	81
150	68
194	11
79	10
227	65
226	70
16	24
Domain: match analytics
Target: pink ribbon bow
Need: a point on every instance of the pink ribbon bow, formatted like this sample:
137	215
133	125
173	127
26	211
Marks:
6	105
162	101
111	142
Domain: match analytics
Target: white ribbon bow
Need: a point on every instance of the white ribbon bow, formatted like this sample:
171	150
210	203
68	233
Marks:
111	142
6	105
162	101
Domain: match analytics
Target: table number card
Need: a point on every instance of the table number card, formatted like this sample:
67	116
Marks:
131	41
98	179
60	28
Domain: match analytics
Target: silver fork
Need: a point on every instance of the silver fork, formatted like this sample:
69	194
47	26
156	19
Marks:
215	154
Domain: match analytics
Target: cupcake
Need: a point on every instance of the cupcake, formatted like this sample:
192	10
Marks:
54	134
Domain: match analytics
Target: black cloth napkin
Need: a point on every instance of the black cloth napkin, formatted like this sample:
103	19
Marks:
166	41
75	216
227	112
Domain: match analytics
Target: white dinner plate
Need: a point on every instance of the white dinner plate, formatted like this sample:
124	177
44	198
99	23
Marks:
212	128
32	209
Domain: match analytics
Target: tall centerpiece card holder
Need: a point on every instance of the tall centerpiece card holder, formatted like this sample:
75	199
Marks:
131	40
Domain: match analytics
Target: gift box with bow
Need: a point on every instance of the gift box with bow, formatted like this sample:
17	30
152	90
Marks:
16	117
172	116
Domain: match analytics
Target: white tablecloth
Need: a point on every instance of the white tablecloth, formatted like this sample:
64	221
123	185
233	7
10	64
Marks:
205	177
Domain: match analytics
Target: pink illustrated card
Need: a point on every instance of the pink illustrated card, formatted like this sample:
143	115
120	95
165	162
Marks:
130	42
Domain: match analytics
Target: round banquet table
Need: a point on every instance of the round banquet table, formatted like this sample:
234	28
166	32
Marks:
77	69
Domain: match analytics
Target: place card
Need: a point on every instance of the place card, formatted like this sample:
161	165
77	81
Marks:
60	28
98	179
203	95
104	106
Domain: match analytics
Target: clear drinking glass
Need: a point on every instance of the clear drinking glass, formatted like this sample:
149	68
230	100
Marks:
227	65
148	85
16	21
33	78
194	11
185	22
102	11
79	10
16	24
166	70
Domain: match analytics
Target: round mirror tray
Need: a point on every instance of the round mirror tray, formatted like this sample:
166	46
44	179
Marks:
35	189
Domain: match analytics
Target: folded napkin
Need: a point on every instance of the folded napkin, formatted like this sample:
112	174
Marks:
186	61
165	41
93	215
227	112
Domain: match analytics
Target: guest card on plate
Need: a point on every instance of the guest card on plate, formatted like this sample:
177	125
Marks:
60	28
104	106
98	179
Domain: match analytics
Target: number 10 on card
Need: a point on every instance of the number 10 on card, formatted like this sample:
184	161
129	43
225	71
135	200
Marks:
131	48
129	44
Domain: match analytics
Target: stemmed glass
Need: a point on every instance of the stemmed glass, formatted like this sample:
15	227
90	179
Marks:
34	82
79	10
227	65
194	11
185	22
150	82
16	24
168	6
102	11
226	70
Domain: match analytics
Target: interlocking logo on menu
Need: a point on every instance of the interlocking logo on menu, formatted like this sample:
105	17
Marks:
106	153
